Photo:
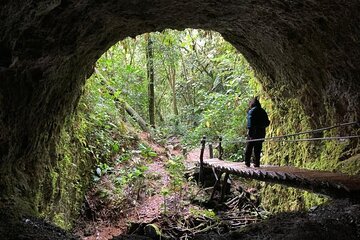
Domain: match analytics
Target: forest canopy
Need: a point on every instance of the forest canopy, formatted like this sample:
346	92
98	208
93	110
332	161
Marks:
201	84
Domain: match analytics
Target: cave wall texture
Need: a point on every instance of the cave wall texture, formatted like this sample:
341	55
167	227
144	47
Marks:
305	52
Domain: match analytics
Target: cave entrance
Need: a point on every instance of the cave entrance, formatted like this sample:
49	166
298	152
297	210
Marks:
306	54
202	86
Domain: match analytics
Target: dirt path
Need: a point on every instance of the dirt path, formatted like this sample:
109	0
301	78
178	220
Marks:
194	155
149	208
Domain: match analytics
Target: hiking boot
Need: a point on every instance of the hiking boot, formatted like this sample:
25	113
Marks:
257	162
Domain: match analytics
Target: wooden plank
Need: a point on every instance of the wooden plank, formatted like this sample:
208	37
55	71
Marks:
281	175
321	181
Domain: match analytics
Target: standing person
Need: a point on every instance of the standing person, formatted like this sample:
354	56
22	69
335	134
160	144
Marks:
257	121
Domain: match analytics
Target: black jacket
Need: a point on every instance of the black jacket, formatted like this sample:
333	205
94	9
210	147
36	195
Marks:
257	121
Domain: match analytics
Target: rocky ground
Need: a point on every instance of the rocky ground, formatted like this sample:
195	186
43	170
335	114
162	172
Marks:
338	220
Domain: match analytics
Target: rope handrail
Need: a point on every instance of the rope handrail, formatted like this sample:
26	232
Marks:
318	130
303	139
281	137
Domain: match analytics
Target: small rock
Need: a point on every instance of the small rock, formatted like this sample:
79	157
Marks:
152	231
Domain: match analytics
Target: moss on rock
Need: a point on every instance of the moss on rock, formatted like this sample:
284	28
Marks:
289	115
350	165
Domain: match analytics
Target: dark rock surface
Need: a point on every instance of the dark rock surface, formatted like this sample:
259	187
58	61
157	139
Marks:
339	220
304	49
30	228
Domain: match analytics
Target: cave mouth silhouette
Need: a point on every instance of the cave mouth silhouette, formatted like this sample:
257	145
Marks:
307	51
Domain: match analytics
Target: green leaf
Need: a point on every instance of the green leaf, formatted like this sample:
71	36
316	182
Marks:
152	154
116	147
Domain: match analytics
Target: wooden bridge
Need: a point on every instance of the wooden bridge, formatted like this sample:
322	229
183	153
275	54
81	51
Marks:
335	185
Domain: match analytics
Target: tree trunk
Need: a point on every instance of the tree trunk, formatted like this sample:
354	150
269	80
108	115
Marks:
172	79
136	117
158	112
150	75
123	105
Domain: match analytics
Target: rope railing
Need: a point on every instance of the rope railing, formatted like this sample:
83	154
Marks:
317	130
305	139
281	138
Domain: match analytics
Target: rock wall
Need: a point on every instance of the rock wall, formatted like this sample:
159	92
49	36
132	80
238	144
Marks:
305	51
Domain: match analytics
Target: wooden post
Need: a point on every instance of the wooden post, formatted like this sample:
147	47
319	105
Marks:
201	172
221	150
217	178
184	151
211	152
223	187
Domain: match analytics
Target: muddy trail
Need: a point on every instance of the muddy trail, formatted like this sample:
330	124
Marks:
144	208
166	202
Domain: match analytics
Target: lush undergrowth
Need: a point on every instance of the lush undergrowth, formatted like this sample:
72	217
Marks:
92	137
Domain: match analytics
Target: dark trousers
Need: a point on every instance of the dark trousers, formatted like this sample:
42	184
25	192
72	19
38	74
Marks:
257	151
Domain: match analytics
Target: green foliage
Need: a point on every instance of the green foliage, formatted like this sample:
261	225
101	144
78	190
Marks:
94	136
146	152
122	183
175	167
221	98
101	170
204	82
208	213
164	192
278	198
